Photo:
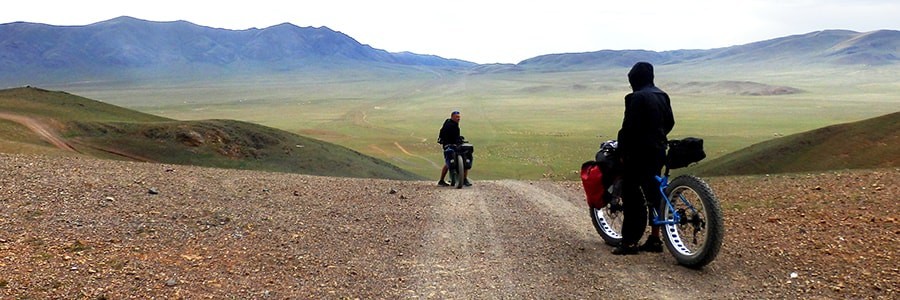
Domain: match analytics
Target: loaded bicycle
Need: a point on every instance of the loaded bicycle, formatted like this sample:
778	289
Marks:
689	214
460	161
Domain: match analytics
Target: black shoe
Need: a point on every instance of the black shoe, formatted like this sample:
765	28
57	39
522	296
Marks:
443	183
467	183
625	250
653	244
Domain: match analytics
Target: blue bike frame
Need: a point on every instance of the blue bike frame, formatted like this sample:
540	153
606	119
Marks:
676	218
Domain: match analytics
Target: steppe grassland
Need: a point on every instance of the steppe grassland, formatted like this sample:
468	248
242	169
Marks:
524	126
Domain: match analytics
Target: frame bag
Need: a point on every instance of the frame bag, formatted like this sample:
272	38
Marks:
684	152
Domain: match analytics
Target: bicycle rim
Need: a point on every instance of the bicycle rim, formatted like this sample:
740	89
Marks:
690	237
608	223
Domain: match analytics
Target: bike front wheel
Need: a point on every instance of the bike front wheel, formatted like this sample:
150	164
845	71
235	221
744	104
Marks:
608	221
696	239
460	171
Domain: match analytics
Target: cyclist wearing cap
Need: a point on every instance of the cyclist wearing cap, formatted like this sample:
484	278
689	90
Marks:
449	136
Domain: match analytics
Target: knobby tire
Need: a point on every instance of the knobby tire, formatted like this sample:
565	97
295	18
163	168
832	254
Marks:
697	240
460	171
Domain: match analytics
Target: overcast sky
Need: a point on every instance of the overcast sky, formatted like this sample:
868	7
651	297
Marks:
486	31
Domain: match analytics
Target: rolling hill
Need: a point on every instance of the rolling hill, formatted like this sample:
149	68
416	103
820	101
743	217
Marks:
870	143
93	128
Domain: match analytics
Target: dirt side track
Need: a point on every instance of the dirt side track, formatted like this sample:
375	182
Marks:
89	229
44	131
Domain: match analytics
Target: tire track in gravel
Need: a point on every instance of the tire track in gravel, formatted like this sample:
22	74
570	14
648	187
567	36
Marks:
514	239
557	208
461	250
575	219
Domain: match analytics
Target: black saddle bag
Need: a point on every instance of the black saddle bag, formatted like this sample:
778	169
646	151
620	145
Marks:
684	152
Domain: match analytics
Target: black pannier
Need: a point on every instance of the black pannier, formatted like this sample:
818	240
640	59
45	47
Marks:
598	175
684	152
608	160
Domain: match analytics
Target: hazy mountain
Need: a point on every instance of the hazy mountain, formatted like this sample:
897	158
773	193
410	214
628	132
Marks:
609	58
841	47
127	43
127	48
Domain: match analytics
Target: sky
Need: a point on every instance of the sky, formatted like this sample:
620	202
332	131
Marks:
488	31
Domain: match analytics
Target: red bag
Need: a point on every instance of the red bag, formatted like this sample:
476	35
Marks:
592	180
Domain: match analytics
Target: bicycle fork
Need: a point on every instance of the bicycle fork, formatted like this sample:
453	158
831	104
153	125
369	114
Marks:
677	216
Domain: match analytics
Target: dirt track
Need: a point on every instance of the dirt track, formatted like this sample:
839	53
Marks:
84	228
39	128
512	239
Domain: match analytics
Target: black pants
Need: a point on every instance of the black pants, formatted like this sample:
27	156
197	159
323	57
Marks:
640	188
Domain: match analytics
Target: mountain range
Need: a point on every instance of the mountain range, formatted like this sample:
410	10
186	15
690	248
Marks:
841	47
39	53
111	47
130	42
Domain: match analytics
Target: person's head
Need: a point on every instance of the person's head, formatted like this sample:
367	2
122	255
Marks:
641	75
455	116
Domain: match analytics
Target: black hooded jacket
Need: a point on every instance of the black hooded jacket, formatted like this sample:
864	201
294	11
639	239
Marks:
648	116
449	133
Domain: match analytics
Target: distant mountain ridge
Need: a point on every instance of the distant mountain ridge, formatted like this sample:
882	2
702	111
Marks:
32	53
841	47
131	43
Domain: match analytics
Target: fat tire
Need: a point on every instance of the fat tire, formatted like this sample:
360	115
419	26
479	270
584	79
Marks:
712	215
608	224
460	171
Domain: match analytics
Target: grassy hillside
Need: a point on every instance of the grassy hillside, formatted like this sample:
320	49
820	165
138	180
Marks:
524	125
871	143
102	130
65	107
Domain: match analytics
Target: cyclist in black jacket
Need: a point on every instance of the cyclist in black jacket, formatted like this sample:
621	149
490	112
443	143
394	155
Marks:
642	147
449	136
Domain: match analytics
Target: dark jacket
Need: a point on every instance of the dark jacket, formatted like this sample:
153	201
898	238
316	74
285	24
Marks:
449	133
648	116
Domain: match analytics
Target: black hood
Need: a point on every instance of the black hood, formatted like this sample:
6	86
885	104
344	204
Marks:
641	75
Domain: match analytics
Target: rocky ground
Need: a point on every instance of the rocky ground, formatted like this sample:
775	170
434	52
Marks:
93	229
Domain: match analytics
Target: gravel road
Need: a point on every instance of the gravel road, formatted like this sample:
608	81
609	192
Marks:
79	228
